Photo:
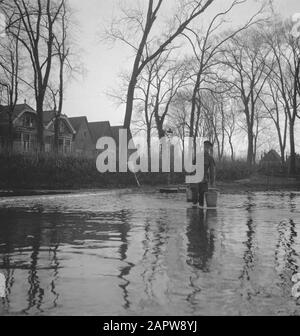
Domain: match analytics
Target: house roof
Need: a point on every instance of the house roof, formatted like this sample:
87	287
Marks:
77	122
49	117
115	132
99	130
19	108
271	156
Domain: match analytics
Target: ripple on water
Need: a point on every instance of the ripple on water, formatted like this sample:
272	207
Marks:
122	253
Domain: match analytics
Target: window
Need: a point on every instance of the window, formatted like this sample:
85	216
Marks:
47	148
61	127
26	142
48	140
18	136
28	120
67	146
61	145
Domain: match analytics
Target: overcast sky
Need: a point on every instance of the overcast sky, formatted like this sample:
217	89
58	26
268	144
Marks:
87	96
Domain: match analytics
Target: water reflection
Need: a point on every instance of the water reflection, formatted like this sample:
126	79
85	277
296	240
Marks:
285	253
125	271
200	236
148	254
200	249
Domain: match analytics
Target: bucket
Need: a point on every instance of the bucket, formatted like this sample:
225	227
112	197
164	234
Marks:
211	198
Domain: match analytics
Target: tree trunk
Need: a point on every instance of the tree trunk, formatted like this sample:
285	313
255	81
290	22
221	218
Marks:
161	132
292	168
129	103
56	133
10	134
40	127
232	150
149	145
250	148
194	104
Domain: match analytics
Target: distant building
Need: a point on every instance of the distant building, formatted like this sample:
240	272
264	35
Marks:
66	133
288	161
116	131
76	135
271	161
24	121
83	144
24	128
99	130
271	157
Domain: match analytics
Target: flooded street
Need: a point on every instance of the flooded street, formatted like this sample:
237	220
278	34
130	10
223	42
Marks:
130	253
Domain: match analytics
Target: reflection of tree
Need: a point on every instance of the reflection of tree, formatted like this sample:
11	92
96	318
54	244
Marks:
148	253
125	271
249	254
292	204
55	263
54	246
35	292
6	238
251	244
155	241
285	249
285	253
40	233
28	232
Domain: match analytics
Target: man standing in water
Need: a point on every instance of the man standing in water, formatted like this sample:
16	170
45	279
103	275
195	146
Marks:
201	188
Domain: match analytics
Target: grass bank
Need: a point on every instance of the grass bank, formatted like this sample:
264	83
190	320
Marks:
47	172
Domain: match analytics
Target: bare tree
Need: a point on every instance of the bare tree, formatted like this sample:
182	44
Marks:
286	51
214	107
10	67
144	116
37	22
170	77
230	128
245	58
146	23
206	48
276	111
62	51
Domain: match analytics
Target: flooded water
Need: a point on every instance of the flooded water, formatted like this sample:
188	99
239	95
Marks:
130	253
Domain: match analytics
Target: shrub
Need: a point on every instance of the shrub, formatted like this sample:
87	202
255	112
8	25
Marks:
46	171
228	170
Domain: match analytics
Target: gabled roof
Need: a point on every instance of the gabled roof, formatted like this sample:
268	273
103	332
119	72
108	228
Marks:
271	156
77	122
19	109
49	117
99	130
115	132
